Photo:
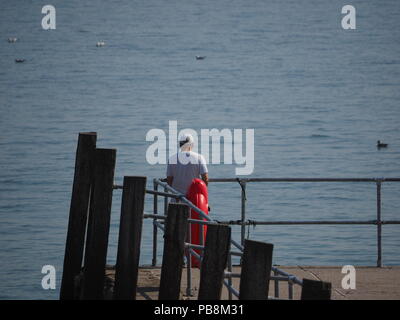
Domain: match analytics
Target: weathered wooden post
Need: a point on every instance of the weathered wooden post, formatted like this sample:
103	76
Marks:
130	231
214	262
174	237
99	224
83	178
316	290
256	270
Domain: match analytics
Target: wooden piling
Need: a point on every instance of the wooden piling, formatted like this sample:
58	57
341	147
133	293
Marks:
174	237
130	230
83	179
99	224
316	290
256	270
214	262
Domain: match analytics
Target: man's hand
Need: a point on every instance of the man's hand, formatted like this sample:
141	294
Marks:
205	178
169	180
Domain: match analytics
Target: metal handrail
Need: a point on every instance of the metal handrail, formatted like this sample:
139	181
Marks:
172	193
183	199
290	278
243	222
378	222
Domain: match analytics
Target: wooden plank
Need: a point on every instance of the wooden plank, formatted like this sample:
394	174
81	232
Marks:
174	237
316	290
83	178
99	224
256	270
214	262
130	231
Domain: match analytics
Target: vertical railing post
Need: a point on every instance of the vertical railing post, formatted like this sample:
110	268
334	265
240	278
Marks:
165	202
290	289
80	202
230	271
201	242
130	231
155	211
189	263
379	223
243	212
276	285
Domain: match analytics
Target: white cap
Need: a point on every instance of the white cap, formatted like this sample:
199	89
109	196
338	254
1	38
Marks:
186	140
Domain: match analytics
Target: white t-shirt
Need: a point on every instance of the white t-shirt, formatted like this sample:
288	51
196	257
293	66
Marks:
184	167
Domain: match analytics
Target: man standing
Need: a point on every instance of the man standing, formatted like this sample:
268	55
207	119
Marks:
185	166
182	168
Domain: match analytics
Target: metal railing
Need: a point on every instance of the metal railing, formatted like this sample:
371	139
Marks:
279	275
378	222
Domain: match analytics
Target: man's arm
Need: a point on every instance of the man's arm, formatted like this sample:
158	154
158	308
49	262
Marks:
203	170
204	176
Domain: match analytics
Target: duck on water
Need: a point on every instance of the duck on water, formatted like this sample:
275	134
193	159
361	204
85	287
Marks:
380	144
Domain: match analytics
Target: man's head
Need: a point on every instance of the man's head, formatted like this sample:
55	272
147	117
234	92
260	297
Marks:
186	142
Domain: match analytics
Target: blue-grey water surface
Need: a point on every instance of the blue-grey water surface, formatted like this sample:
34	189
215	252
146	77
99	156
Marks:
318	97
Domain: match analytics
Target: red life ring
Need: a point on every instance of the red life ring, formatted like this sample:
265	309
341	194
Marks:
198	195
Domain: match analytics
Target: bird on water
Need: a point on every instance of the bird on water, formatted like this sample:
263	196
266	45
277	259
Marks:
380	144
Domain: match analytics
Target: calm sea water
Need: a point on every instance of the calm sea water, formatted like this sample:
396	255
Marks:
317	96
